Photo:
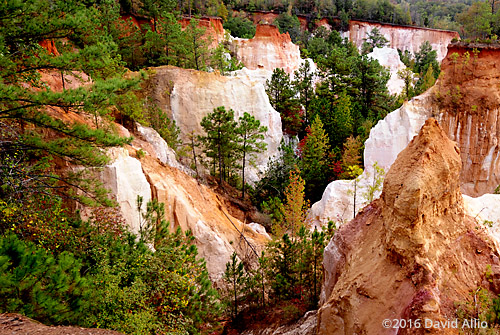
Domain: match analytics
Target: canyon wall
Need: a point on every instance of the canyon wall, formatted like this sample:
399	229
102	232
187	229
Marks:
267	50
188	95
402	37
468	95
412	253
155	173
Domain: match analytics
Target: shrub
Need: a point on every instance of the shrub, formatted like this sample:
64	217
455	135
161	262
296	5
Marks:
240	27
39	285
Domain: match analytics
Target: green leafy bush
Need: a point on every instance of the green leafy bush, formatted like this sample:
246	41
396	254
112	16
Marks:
240	27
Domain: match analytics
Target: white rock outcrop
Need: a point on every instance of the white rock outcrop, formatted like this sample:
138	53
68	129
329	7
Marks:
485	208
189	95
267	50
389	58
125	179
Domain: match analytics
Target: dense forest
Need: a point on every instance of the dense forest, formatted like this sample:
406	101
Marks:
59	268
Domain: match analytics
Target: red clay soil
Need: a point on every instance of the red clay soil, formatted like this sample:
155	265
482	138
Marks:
18	324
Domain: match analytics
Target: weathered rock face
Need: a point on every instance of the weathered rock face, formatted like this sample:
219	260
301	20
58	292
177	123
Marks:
305	326
188	204
159	175
267	50
403	37
410	254
189	95
193	206
390	59
471	114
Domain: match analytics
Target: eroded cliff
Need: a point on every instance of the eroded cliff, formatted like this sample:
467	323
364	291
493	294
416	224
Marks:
468	95
402	37
156	174
188	95
267	50
410	254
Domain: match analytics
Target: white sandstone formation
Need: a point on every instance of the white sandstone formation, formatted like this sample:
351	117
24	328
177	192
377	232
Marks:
486	210
125	179
389	58
190	95
306	325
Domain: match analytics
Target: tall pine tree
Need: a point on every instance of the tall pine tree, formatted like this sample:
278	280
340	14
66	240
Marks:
251	134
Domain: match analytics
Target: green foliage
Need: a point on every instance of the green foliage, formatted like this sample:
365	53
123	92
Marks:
408	77
425	58
288	24
222	60
295	206
221	141
354	172
165	45
240	27
251	136
25	98
292	267
376	184
196	52
234	276
157	118
39	285
314	153
303	82
137	290
476	20
276	177
282	94
482	306
373	40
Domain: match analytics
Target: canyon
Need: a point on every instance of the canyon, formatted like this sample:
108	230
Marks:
409	254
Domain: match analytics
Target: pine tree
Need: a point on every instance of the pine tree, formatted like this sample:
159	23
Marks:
354	172
221	140
314	153
251	135
196	46
234	276
295	206
351	155
281	94
374	40
377	181
39	285
166	45
25	98
304	78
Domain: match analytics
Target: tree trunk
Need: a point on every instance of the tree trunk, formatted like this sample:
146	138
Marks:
243	170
